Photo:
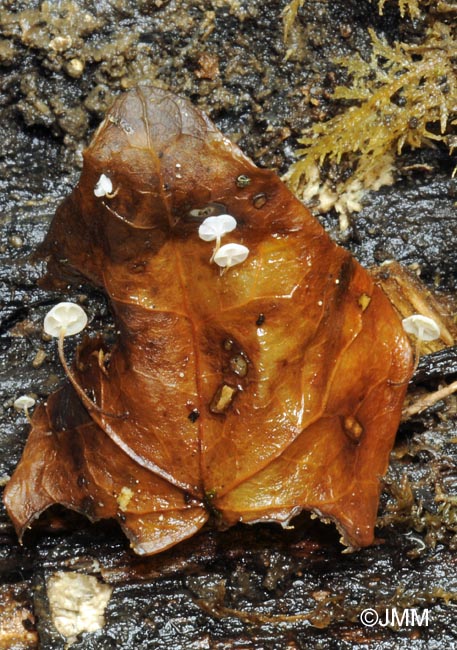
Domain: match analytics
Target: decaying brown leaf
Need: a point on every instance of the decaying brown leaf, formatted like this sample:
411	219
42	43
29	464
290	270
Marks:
242	396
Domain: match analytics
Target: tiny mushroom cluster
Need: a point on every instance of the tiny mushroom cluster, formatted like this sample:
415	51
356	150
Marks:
228	255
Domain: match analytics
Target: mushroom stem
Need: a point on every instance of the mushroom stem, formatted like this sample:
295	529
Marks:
85	399
216	248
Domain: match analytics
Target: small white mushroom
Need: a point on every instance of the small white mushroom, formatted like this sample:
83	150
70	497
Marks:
24	403
65	317
230	254
422	327
104	186
214	228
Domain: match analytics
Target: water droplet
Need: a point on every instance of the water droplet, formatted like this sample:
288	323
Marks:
210	210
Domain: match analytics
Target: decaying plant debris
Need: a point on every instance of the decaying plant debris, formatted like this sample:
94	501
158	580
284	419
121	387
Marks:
189	596
251	393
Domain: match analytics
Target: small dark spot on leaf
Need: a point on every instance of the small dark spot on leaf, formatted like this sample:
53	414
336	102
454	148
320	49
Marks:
81	481
194	415
260	320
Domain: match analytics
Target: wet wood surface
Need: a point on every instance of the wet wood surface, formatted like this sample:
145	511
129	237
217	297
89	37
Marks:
257	587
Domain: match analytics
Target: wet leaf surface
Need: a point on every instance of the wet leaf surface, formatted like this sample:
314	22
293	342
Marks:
308	421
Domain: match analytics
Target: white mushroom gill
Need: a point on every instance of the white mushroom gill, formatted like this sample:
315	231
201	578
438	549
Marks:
66	319
231	254
422	327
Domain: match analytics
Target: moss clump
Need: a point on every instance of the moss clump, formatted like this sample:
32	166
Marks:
403	95
288	16
406	6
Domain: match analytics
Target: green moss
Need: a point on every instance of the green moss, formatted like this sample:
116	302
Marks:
403	95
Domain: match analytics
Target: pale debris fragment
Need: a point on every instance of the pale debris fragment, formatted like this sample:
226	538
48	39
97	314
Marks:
345	198
77	603
124	497
428	400
222	399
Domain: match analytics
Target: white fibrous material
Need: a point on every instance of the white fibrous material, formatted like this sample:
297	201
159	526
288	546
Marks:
77	603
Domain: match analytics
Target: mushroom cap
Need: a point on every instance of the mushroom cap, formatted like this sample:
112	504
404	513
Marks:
231	254
215	227
104	186
65	316
24	402
423	327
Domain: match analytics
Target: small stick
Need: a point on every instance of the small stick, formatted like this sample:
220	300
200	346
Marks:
428	400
